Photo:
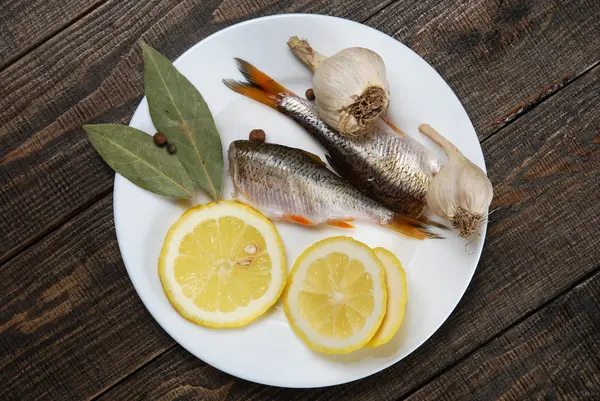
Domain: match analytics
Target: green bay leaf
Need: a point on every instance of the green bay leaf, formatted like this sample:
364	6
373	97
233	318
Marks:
179	111
133	154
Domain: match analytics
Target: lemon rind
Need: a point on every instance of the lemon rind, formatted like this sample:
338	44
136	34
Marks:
375	342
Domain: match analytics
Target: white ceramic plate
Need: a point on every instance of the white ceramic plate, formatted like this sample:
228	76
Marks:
267	351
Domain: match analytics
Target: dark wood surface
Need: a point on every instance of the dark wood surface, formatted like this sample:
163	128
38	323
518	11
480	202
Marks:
71	325
26	24
553	355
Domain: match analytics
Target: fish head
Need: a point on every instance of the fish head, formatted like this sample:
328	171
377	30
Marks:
246	157
231	156
240	156
237	154
256	168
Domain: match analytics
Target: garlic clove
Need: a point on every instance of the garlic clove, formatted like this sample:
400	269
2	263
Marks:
460	192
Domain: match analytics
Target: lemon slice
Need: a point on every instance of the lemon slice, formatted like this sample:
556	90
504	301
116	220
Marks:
395	279
336	297
222	264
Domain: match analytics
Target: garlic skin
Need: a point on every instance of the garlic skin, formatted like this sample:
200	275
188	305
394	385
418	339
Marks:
460	192
350	87
351	90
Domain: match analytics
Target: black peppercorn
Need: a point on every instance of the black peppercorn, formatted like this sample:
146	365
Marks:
160	139
257	135
171	148
310	94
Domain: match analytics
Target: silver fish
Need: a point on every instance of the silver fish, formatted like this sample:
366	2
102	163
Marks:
391	167
290	184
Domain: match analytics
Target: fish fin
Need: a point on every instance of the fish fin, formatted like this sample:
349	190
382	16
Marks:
340	223
411	227
344	170
315	158
392	126
261	80
294	218
253	92
260	86
334	165
430	222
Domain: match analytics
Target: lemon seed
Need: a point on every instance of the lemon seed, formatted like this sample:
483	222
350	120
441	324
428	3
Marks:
250	249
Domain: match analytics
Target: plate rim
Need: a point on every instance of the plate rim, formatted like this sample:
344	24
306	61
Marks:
119	180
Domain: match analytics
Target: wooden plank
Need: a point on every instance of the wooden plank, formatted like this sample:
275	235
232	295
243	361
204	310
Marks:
553	355
70	320
24	24
500	57
92	72
543	238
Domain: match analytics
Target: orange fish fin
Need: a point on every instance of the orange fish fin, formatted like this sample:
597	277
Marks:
413	228
294	218
392	126
315	158
260	86
433	223
252	92
258	78
340	223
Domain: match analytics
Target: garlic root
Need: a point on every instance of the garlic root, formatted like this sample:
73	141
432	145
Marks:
460	192
305	53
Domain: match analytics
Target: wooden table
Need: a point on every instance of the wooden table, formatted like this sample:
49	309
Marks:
71	324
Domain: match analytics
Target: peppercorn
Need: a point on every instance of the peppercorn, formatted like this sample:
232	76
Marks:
171	148
310	94
160	139
257	135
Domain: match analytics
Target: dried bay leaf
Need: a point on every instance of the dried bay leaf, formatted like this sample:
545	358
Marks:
133	154
179	111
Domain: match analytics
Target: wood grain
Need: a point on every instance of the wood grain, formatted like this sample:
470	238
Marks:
543	238
24	24
91	72
500	57
70	320
553	355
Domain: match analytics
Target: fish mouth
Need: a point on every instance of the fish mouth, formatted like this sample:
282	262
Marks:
231	156
234	170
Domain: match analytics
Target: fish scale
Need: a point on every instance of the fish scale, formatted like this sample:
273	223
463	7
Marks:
392	168
286	183
283	180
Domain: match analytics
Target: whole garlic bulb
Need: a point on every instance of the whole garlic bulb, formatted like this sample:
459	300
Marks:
460	192
350	87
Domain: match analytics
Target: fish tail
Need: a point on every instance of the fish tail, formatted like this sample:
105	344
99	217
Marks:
433	223
260	86
414	228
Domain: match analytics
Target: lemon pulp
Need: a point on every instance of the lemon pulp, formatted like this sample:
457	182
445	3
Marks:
222	264
336	295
